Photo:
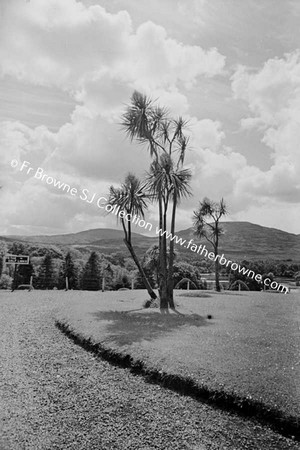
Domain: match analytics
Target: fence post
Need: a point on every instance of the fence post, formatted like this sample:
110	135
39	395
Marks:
15	278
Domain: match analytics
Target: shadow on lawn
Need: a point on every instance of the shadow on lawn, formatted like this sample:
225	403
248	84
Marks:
201	294
126	327
194	294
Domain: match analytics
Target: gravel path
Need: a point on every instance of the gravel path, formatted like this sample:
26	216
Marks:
55	395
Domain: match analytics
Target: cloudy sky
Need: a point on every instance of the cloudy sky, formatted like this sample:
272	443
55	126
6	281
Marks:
67	68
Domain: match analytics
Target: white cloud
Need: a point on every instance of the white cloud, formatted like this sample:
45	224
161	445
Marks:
216	168
206	133
58	43
275	214
88	153
270	92
72	46
97	148
273	97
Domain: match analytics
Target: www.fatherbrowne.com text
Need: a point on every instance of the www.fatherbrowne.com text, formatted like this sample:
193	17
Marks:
202	250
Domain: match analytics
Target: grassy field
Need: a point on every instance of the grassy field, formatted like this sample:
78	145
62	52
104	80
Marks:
249	347
56	395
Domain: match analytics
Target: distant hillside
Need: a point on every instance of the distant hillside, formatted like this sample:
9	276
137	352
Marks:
83	237
245	240
241	240
105	240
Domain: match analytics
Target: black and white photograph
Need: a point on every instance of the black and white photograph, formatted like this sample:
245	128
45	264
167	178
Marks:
149	224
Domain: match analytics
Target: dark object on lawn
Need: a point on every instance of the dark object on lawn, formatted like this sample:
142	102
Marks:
209	316
151	303
123	289
22	287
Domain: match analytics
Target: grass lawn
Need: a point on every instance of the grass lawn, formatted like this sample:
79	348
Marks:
56	395
250	346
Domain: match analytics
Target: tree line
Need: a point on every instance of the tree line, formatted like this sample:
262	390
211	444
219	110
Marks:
118	272
49	267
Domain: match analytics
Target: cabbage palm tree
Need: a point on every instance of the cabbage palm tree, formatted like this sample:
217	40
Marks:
131	200
206	224
150	125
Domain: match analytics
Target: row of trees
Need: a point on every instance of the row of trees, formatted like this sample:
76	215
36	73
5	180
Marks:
48	274
96	273
120	272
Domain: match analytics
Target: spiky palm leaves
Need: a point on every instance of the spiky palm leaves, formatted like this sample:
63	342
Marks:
150	124
166	182
206	219
206	224
132	198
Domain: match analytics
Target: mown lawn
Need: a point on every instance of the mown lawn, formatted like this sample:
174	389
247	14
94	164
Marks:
249	346
56	395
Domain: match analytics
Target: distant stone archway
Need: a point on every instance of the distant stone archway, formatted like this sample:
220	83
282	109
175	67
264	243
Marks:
185	280
240	285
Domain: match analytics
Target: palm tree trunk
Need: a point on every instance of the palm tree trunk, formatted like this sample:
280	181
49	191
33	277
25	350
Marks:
142	273
217	276
163	291
217	267
171	257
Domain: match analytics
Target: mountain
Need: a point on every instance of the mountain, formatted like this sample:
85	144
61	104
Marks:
104	240
81	238
241	240
245	240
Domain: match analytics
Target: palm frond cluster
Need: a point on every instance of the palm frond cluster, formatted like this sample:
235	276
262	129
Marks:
151	124
131	197
207	225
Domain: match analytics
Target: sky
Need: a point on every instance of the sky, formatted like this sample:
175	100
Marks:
69	68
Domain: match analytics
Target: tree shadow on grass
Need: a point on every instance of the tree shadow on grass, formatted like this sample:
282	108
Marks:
194	293
127	327
199	294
